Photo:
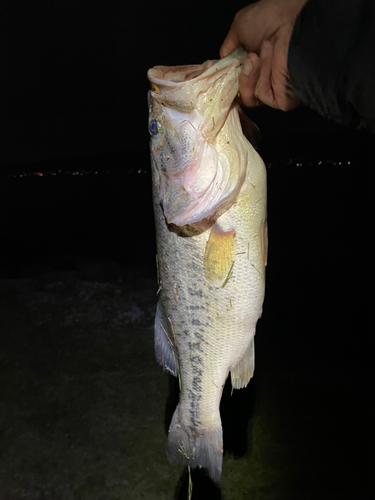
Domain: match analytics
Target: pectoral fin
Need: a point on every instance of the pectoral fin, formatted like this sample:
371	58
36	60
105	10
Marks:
219	253
244	369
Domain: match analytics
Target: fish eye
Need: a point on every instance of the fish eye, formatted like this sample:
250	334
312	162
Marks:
154	127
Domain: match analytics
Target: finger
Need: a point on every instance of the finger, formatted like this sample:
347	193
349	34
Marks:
263	88
273	87
247	81
230	43
235	36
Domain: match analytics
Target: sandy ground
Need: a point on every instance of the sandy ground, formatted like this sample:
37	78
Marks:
85	408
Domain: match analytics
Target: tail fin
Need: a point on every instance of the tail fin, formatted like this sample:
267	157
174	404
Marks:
196	446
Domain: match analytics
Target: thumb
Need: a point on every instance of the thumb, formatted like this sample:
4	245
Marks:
230	43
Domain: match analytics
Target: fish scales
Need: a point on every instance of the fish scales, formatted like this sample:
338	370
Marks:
209	192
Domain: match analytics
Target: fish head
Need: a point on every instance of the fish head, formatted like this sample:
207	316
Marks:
188	107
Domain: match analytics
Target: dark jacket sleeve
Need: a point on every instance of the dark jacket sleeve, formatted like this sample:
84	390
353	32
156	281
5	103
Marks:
331	60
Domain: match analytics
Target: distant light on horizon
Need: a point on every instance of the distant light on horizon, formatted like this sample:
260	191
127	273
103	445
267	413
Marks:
300	162
74	173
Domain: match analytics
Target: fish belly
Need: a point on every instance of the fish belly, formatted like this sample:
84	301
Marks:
211	296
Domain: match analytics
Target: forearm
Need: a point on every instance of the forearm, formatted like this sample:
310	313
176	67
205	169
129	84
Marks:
331	59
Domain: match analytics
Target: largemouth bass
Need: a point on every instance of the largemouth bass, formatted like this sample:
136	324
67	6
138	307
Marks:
209	191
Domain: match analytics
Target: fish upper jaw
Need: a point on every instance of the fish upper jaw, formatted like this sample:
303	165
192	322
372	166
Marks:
211	90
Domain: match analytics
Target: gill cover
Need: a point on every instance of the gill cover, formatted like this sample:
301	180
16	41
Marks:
198	151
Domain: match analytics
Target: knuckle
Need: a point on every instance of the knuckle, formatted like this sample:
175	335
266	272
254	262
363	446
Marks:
237	17
246	99
259	91
283	104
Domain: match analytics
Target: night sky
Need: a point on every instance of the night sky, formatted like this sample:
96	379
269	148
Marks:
74	78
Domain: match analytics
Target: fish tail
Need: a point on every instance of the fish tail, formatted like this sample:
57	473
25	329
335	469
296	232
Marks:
196	446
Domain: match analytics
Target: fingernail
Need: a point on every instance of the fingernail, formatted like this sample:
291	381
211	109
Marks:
247	67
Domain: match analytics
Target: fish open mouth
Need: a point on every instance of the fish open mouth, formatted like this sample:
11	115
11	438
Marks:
180	74
172	75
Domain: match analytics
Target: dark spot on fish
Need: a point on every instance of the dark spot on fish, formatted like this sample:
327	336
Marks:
194	407
196	322
197	384
195	293
196	359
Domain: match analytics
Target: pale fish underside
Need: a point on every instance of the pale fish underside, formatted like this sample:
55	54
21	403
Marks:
209	190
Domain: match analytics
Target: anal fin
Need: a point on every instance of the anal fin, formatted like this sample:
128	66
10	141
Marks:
163	341
244	369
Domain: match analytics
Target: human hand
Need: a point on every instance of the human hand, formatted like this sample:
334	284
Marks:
264	29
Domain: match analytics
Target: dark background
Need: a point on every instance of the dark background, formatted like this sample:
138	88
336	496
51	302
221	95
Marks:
73	101
74	77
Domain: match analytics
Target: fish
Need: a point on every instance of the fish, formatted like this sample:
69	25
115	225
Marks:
209	198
